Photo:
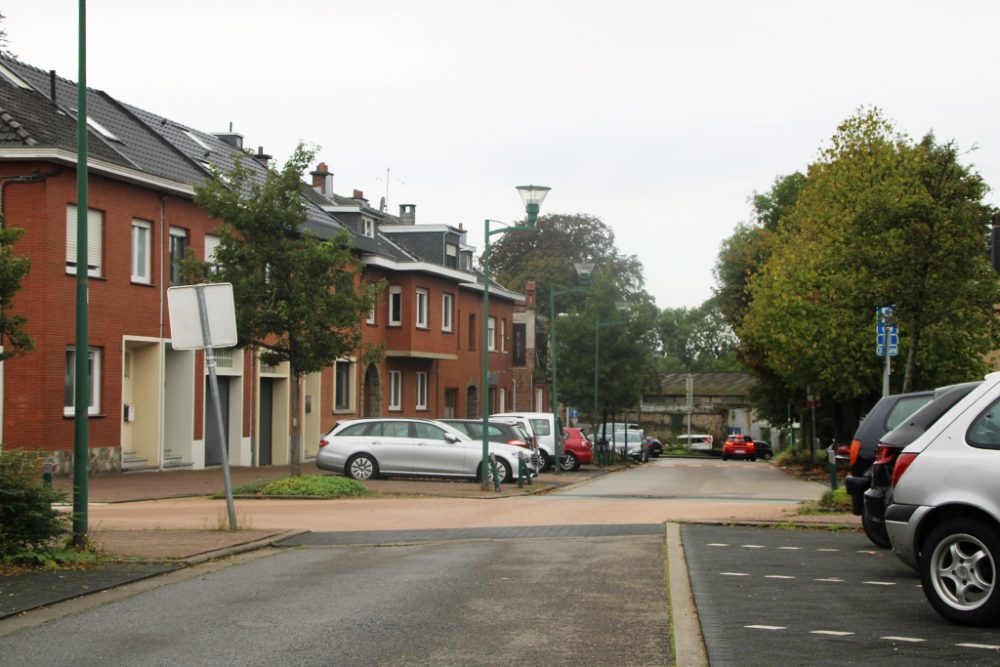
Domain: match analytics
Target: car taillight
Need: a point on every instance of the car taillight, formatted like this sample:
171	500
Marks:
517	443
323	442
902	463
885	454
855	448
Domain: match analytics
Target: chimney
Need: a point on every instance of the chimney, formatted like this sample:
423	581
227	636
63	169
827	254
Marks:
261	156
322	180
407	214
358	194
529	293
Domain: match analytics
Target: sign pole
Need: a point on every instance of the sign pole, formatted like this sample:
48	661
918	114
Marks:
214	384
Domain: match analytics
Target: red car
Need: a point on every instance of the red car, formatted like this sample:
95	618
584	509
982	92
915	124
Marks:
739	446
576	450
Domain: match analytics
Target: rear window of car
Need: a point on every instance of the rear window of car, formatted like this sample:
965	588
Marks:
985	430
541	426
353	429
903	409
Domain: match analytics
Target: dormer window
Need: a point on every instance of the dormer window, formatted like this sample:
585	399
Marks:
451	255
368	227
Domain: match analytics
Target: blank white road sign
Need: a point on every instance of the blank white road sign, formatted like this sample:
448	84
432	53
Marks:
185	320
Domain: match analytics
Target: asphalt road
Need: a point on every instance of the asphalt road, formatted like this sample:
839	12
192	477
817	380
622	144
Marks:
803	597
521	601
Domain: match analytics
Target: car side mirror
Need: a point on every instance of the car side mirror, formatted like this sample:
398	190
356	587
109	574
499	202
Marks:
452	438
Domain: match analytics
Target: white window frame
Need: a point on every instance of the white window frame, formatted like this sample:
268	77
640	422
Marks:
421	386
423	299
177	233
503	334
371	316
368	227
95	240
350	385
142	251
395	390
447	312
94	357
503	400
211	245
491	336
395	290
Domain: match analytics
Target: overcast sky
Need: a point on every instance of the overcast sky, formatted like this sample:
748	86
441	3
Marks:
659	117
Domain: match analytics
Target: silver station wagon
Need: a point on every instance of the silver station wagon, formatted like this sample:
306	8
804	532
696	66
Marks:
367	448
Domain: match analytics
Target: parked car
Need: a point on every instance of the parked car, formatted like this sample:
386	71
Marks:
654	446
367	448
879	495
944	519
508	433
524	425
577	449
887	414
696	441
739	446
630	441
763	450
543	425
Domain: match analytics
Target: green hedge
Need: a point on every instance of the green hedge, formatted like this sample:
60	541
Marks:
28	523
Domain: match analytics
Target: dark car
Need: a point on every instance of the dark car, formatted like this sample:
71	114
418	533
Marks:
655	447
879	495
887	414
764	450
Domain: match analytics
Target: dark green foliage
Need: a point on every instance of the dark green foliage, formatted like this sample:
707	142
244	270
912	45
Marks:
28	523
13	269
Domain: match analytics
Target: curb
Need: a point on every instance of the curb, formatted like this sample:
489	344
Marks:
688	642
241	548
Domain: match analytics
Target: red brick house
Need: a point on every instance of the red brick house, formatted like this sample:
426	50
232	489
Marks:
148	400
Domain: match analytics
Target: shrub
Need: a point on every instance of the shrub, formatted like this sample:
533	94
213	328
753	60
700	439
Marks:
28	523
836	500
315	485
794	456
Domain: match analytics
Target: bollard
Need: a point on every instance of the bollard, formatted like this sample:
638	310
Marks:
831	457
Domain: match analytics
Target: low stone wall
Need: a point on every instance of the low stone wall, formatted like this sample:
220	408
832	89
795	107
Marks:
102	459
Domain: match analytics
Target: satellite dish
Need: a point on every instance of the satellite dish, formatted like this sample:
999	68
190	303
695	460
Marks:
381	205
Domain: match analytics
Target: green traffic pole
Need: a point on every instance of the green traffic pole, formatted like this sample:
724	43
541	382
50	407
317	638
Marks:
555	386
483	389
81	385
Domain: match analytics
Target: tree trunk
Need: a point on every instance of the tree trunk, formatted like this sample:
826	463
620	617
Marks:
295	444
911	357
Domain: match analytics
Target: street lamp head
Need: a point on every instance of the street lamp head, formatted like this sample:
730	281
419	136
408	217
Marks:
622	306
532	196
584	270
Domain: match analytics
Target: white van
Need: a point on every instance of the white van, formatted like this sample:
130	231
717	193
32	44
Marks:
700	441
543	424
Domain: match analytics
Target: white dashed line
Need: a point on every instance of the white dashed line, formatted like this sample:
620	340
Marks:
752	546
735	574
912	640
834	580
988	647
827	550
880	583
867	552
789	548
778	576
832	633
765	627
716	544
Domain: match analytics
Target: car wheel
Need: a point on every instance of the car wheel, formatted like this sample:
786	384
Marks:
645	456
958	571
875	531
725	458
766	457
503	471
569	462
362	467
544	461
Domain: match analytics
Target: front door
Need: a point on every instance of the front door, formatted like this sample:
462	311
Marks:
214	440
266	421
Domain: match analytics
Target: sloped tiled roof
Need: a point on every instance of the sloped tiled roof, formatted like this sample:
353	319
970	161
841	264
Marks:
712	383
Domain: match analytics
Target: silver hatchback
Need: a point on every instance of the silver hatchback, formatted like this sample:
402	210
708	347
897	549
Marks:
945	516
367	448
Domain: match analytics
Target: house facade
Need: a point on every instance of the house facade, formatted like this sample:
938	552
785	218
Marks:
422	341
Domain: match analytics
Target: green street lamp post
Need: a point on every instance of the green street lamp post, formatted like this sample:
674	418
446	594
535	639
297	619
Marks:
583	269
621	306
532	196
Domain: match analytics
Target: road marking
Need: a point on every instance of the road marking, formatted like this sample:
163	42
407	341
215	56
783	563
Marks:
988	647
827	550
912	640
734	574
867	552
765	627
716	544
835	580
778	576
789	548
832	633
752	546
880	583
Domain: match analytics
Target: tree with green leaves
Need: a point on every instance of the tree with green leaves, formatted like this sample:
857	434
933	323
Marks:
13	268
696	339
880	220
297	298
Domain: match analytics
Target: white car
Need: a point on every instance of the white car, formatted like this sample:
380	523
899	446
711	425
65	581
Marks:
543	426
366	448
945	516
